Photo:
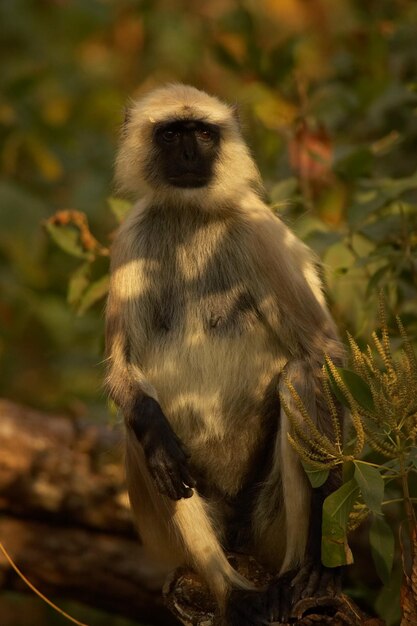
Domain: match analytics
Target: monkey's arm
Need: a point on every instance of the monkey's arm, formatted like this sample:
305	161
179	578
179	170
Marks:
164	453
165	456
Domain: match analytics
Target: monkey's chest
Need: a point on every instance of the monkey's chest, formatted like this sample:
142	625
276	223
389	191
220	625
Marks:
177	312
214	365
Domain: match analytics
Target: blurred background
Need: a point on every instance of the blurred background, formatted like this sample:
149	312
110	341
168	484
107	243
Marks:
328	98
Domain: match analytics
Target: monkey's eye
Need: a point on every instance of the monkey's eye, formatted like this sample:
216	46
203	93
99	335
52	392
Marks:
169	135
205	134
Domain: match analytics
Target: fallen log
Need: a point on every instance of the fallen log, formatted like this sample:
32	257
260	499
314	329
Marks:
65	519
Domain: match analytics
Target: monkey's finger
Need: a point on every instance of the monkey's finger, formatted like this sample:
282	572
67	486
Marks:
186	476
178	485
182	489
165	486
167	480
188	492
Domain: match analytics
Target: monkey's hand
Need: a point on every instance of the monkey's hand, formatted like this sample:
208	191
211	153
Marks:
166	457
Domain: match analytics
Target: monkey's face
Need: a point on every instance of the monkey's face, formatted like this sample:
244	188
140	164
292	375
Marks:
184	153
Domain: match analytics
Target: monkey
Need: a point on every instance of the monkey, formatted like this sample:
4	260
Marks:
213	304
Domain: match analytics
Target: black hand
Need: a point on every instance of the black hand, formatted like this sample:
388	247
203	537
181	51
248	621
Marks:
165	454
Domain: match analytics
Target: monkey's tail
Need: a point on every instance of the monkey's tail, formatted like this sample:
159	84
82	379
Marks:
192	521
178	532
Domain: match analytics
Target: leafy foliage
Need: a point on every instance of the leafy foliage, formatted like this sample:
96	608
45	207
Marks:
328	94
381	395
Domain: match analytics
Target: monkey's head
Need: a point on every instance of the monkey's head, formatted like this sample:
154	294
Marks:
182	145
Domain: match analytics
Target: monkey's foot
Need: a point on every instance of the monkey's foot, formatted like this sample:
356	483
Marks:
279	599
315	580
291	595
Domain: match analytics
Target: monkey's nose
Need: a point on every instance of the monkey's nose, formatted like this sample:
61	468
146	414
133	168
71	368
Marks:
189	148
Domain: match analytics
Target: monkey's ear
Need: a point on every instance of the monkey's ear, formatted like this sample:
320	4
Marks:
236	115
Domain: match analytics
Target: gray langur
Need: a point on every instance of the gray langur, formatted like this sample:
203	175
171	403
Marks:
212	297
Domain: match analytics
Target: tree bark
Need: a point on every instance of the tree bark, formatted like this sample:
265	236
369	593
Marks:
65	516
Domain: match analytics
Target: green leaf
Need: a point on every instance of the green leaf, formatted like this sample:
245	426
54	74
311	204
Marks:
283	190
371	484
335	550
363	205
386	603
317	477
78	283
68	239
382	547
321	240
354	162
119	207
374	281
94	293
358	388
348	471
383	228
394	187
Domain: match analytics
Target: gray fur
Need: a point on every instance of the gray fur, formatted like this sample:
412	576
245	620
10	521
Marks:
211	296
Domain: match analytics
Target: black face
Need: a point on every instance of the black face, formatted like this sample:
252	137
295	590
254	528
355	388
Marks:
187	150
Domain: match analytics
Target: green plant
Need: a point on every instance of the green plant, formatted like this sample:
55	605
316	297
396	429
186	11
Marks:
379	457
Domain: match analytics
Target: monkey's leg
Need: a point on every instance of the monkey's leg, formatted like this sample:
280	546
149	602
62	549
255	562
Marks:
305	576
267	544
314	579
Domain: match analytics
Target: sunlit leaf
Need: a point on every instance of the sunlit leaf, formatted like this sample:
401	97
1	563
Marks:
68	239
78	283
337	506
357	387
371	484
274	111
317	477
119	207
48	164
94	293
